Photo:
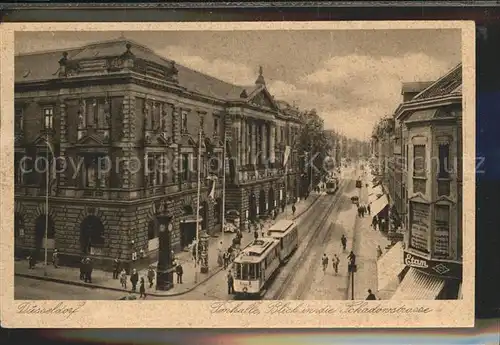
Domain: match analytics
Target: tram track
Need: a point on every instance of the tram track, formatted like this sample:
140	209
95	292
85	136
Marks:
309	240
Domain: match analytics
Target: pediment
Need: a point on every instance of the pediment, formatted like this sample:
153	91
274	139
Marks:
418	197
188	140
444	200
42	140
90	140
263	98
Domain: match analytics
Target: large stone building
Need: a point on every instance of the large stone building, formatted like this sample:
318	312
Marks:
431	180
115	112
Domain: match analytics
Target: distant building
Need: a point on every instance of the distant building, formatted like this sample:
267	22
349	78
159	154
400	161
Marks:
112	111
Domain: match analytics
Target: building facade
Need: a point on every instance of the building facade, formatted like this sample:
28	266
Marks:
431	148
126	127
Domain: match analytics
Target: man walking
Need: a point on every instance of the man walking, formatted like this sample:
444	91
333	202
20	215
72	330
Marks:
324	262
230	283
343	240
116	268
335	263
293	210
180	271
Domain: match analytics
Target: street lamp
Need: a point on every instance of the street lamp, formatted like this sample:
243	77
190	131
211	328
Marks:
352	268
47	201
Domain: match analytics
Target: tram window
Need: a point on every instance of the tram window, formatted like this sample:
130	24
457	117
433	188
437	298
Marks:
244	272
238	271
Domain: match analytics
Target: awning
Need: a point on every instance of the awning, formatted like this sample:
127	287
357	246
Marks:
389	266
378	205
373	197
418	286
376	190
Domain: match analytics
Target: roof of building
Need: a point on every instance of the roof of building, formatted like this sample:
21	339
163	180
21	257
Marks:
417	86
450	83
41	66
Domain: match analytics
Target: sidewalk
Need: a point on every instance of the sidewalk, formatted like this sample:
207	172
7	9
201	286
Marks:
365	244
104	280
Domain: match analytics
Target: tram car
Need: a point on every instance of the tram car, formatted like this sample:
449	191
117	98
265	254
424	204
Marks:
255	266
285	231
332	185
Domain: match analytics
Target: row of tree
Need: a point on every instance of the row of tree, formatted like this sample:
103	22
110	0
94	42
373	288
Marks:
321	144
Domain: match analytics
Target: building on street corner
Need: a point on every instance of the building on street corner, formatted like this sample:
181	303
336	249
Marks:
427	188
111	113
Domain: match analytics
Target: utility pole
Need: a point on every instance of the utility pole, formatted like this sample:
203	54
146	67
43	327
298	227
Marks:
198	207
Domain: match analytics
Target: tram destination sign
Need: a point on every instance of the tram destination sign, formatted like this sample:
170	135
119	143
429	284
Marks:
434	267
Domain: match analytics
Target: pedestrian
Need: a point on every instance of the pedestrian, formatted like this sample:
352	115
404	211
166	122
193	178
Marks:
368	208
371	296
379	252
220	257
116	268
87	270
359	211
180	271
283	206
193	249
55	258
230	283
374	222
255	234
352	258
225	258
123	279
324	262
343	240
134	279
335	263
293	209
82	268
151	276
142	289
31	261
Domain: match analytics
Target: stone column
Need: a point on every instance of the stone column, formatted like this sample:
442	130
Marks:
253	143
272	144
264	154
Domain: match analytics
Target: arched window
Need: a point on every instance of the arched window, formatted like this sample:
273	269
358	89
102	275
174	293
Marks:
152	230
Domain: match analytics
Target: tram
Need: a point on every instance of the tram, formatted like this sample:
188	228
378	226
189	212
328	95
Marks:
255	266
285	231
332	185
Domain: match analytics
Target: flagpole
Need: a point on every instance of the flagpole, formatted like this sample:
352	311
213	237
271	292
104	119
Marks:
224	183
198	206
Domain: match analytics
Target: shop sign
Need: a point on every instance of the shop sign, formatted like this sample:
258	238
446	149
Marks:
433	267
419	227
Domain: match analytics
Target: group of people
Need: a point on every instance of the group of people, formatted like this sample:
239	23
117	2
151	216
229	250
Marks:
32	259
380	223
364	210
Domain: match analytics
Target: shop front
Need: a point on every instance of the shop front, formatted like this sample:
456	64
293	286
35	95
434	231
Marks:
429	279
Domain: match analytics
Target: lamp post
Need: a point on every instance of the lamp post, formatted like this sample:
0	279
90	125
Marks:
352	268
47	173
198	206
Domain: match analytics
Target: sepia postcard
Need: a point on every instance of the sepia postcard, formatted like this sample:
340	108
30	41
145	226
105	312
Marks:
223	175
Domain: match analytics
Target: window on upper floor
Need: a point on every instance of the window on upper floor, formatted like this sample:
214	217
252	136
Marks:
419	161
48	117
216	126
184	121
18	119
444	161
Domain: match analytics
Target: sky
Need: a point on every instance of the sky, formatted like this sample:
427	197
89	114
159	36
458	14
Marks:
351	77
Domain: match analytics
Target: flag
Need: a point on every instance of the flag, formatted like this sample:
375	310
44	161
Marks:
211	186
287	155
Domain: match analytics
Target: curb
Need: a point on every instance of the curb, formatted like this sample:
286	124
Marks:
95	286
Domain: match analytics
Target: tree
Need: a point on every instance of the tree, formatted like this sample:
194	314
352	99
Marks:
314	145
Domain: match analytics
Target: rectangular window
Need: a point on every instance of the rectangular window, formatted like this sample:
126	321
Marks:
444	161
419	163
19	119
157	116
185	168
48	117
184	123
216	126
442	231
102	121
